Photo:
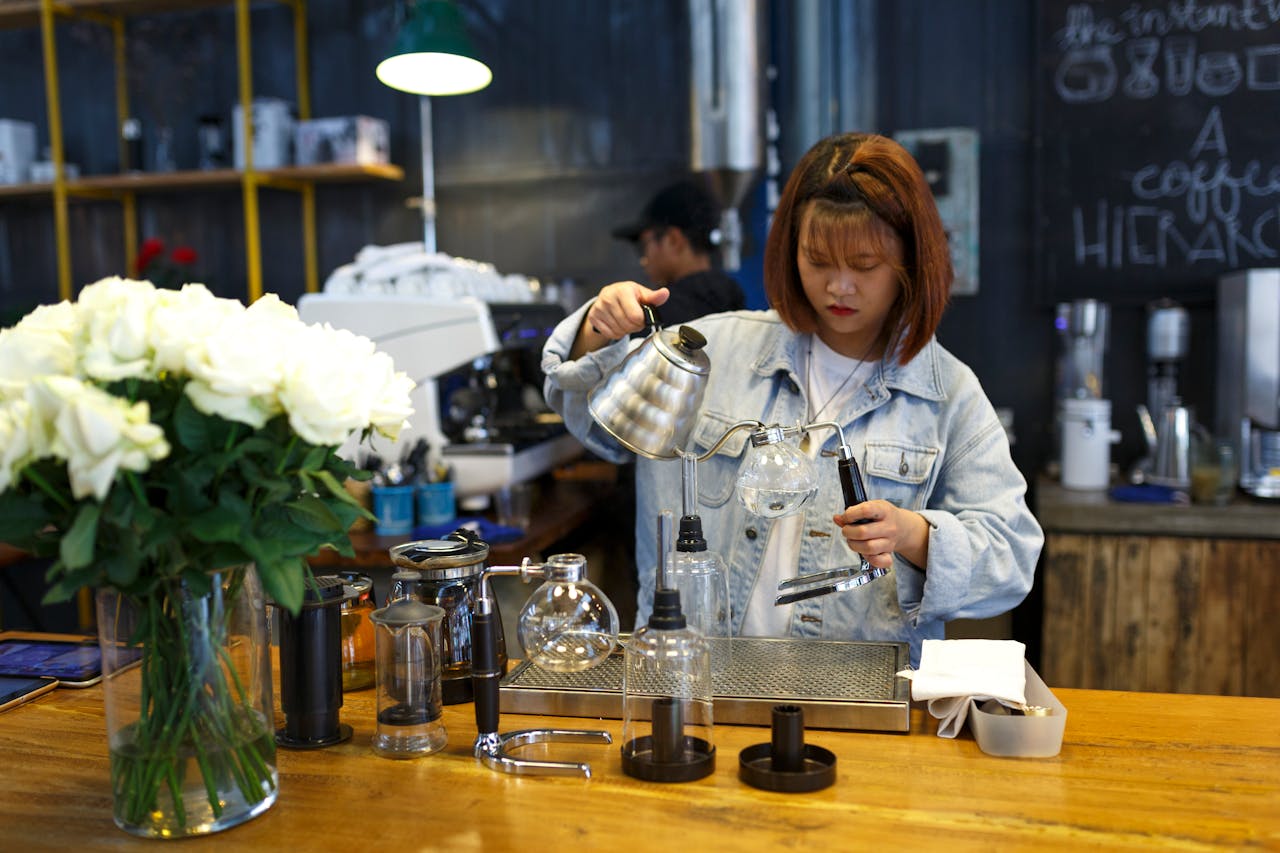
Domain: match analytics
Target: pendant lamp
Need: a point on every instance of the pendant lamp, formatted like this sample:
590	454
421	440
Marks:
432	55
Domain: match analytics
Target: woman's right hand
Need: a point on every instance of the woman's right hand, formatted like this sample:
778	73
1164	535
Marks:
617	312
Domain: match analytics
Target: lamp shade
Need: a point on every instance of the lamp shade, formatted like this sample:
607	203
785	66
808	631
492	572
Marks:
432	54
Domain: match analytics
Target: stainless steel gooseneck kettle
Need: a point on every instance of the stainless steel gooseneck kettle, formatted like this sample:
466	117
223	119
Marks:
649	400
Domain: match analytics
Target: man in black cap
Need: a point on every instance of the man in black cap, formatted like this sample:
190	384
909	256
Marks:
676	235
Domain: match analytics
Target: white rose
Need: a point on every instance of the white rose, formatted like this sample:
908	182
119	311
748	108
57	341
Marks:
97	433
391	408
236	372
15	440
116	314
181	322
327	389
41	344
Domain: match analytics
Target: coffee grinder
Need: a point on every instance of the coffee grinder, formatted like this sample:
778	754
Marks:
1165	422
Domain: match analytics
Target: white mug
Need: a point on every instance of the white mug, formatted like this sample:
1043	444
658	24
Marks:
1086	443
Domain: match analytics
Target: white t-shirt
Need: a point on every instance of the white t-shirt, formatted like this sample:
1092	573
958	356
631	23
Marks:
830	387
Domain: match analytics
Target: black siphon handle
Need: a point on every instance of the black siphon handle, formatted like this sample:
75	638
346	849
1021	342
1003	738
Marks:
851	483
485	671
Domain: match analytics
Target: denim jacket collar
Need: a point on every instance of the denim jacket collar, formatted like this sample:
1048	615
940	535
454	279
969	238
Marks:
921	377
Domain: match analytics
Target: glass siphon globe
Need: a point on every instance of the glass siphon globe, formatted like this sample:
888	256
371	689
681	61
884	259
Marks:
778	480
568	624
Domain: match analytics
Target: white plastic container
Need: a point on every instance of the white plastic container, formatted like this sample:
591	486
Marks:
1018	736
1086	443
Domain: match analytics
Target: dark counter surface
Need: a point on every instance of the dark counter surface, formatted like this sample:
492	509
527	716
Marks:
1061	510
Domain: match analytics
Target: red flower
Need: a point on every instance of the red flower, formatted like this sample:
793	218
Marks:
184	255
150	249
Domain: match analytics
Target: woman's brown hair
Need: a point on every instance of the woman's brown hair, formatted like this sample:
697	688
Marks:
864	183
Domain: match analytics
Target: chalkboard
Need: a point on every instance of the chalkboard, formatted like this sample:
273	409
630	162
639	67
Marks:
1158	145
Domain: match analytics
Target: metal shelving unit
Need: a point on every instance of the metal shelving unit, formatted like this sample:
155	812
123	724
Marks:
125	188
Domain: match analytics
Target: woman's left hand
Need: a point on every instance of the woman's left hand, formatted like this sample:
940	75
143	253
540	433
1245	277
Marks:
887	529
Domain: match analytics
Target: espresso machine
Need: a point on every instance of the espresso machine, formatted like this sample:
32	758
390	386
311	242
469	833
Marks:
498	427
1249	375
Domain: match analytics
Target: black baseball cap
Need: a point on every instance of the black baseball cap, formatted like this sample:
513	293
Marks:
683	205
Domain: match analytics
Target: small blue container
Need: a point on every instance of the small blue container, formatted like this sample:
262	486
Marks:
435	503
393	505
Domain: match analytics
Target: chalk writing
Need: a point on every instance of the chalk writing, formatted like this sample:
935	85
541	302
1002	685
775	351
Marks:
1187	185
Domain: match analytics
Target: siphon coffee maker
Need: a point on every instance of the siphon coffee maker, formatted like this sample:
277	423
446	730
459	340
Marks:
448	572
564	639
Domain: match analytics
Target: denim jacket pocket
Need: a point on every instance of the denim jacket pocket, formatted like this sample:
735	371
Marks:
898	472
718	475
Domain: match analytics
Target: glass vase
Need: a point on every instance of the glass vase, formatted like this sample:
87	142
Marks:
187	694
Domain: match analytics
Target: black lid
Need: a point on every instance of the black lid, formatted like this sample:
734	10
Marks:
327	588
691	538
667	615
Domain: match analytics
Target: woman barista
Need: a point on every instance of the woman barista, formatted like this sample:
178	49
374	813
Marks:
857	272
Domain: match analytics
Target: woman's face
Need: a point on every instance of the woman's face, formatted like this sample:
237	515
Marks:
851	285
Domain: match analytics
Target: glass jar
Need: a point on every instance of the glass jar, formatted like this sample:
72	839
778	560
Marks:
358	671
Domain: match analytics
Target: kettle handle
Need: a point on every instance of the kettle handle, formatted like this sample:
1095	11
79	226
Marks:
654	325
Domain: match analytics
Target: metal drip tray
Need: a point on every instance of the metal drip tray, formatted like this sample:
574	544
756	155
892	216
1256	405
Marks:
839	685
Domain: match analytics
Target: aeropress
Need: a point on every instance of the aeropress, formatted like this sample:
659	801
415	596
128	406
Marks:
311	668
567	625
666	690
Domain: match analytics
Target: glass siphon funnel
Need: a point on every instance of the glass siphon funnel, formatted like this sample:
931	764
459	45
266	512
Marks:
700	575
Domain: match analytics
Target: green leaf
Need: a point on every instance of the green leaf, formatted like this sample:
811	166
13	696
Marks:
21	519
191	427
221	523
312	514
121	569
76	550
314	459
335	488
285	581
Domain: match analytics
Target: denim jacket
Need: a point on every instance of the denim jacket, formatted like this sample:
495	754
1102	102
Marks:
924	434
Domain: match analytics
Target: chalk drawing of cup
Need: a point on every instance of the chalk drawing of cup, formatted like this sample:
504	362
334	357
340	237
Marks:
1142	81
1218	73
1179	63
1086	75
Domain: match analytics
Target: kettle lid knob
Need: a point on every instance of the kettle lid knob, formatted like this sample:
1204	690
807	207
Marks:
691	338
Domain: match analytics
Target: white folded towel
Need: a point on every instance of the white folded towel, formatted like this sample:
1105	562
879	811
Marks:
954	671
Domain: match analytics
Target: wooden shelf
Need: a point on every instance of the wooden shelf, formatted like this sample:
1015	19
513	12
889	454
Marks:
158	182
15	14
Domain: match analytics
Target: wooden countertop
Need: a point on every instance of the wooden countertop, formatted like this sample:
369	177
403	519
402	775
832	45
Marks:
1136	770
1062	510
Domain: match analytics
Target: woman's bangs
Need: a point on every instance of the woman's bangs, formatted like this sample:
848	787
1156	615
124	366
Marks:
850	234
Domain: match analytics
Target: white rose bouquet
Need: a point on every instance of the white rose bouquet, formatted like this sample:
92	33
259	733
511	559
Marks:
151	437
